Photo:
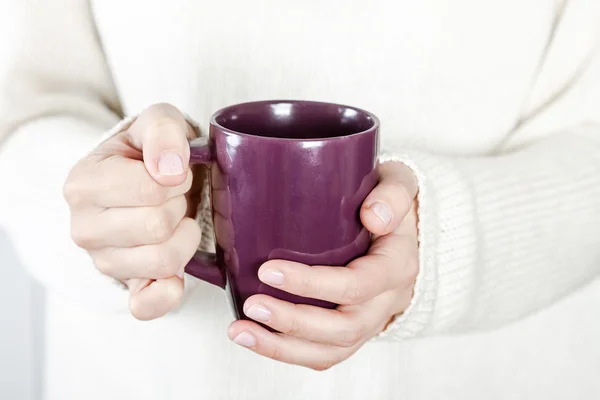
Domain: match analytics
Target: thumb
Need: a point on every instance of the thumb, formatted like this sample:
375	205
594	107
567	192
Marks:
161	133
389	202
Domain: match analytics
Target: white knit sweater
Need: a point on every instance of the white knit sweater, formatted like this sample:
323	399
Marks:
495	106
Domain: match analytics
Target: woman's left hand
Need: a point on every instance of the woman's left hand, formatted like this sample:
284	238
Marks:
371	290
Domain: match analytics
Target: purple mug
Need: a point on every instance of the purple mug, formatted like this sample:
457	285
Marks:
288	179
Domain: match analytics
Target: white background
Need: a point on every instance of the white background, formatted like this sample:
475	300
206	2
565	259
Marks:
21	300
21	329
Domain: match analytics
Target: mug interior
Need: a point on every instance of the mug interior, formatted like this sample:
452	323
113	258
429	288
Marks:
294	119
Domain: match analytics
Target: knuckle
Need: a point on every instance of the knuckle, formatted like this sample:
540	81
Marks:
165	119
295	327
354	291
165	262
351	336
165	125
152	194
104	266
276	354
159	226
305	285
80	236
73	193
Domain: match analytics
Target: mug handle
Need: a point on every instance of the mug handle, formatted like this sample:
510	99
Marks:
203	265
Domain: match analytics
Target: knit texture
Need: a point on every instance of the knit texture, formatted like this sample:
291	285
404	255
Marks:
482	265
493	105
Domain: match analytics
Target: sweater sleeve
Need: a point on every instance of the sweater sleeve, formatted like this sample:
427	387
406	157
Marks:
56	99
505	234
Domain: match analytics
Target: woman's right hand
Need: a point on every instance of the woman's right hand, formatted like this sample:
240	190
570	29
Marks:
131	200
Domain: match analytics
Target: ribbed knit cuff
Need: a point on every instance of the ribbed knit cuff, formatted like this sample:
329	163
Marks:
123	125
447	248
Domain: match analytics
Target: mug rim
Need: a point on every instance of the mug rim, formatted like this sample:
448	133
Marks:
216	114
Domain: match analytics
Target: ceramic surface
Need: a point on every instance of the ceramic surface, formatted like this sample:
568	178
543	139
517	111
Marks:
287	182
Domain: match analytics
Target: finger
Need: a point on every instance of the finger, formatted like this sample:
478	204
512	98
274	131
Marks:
162	133
390	263
150	299
312	323
128	226
118	182
287	349
386	206
151	261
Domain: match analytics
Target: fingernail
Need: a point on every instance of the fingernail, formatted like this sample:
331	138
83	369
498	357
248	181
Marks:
245	339
382	211
272	277
170	164
259	313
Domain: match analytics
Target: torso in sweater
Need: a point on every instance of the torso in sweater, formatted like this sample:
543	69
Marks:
446	77
449	77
